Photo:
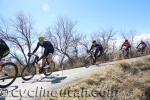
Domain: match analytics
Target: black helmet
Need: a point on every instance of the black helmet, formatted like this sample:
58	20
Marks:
94	41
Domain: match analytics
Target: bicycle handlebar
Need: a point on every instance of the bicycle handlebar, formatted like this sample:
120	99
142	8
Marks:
36	59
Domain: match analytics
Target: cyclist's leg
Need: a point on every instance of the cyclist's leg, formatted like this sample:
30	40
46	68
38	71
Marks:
41	67
127	51
50	56
101	52
143	49
43	61
96	55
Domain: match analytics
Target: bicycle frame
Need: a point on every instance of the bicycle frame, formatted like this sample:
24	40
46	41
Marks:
34	61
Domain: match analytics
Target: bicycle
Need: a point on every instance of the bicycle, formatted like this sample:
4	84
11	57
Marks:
90	58
125	52
140	50
29	70
8	74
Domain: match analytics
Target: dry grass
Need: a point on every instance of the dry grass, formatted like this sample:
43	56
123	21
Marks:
125	81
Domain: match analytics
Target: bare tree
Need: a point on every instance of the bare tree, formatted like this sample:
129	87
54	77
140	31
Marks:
85	43
62	35
75	46
18	33
129	35
105	38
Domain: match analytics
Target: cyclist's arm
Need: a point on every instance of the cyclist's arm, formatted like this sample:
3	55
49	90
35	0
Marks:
42	56
138	45
121	46
91	48
36	48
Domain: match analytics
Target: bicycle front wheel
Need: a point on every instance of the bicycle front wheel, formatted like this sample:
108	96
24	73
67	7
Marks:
8	74
28	72
89	61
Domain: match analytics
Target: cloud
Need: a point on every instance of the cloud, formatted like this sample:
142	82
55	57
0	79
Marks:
140	37
45	7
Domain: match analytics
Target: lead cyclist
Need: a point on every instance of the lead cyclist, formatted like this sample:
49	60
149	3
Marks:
48	50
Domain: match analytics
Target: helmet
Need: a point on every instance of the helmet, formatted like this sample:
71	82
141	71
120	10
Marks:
141	40
94	41
41	39
126	40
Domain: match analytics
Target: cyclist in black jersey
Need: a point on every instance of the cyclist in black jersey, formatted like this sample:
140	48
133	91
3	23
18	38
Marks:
48	49
4	49
99	50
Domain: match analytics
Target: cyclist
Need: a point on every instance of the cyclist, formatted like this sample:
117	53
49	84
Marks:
127	46
142	46
99	50
4	51
48	51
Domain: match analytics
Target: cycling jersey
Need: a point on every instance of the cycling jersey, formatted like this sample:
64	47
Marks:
49	49
126	44
143	44
97	46
4	49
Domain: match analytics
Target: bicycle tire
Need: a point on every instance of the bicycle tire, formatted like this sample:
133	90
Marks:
89	61
15	76
26	69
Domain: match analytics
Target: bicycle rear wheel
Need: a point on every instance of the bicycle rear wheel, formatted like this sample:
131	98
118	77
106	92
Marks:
8	74
50	68
28	72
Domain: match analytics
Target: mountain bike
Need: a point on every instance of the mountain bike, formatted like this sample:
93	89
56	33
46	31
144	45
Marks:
90	58
8	74
29	70
125	52
140	50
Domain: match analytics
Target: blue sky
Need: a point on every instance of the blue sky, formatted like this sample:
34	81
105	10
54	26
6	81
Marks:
90	15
